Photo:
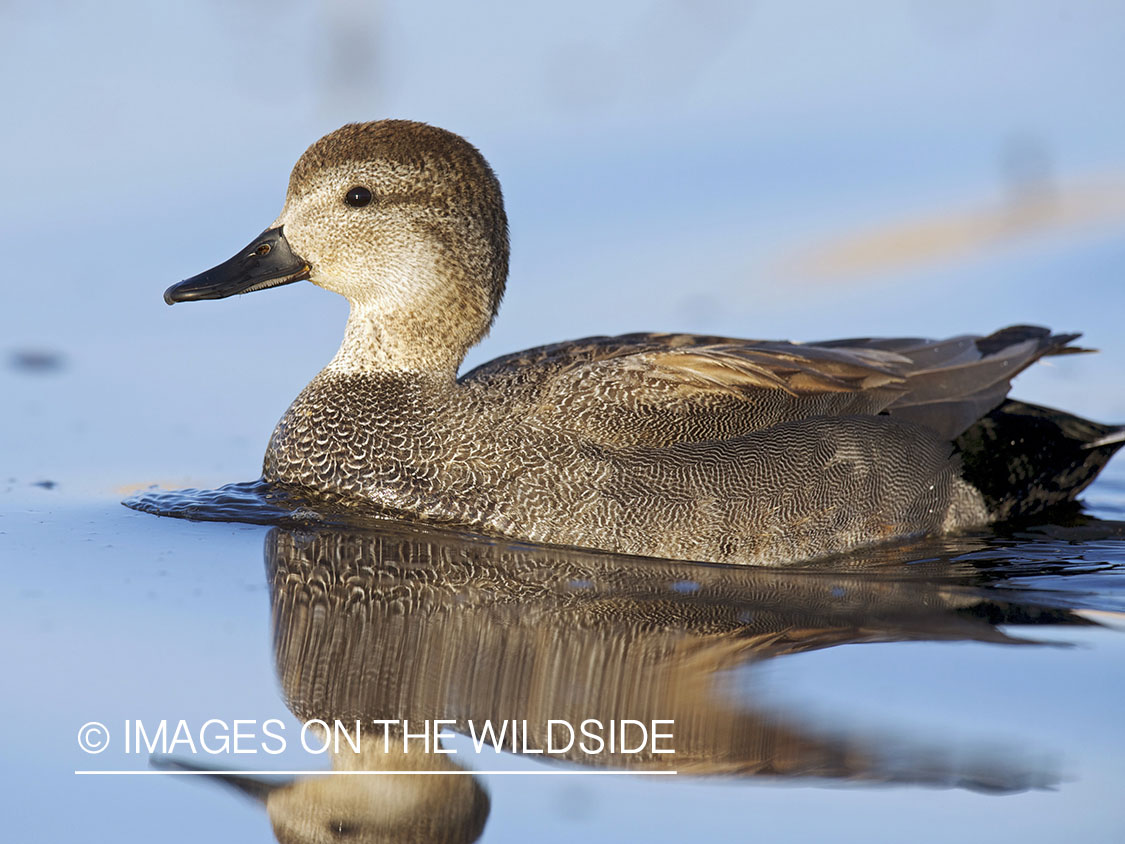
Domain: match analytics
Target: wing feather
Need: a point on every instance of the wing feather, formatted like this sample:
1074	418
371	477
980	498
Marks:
658	389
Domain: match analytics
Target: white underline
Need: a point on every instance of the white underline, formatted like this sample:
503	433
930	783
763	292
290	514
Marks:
379	773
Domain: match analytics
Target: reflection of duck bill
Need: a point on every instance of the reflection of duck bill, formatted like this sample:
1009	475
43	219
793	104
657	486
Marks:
258	789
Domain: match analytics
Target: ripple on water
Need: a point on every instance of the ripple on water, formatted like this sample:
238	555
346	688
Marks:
262	503
254	502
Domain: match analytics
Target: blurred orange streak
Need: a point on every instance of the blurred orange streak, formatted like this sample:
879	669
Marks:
958	233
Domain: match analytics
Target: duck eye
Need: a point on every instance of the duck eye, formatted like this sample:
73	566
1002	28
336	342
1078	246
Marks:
358	196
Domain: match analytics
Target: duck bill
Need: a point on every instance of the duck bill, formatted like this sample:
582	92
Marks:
266	262
258	789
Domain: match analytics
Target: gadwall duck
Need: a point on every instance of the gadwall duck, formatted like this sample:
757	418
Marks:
663	445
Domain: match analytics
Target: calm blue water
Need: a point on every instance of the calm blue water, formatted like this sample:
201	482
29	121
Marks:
778	170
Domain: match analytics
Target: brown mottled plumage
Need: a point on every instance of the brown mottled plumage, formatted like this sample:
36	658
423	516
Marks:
680	446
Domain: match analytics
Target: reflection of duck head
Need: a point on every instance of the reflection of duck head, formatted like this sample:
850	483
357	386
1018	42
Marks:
373	796
411	624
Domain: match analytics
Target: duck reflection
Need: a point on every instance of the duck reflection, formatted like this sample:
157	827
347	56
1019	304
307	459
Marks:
405	626
416	626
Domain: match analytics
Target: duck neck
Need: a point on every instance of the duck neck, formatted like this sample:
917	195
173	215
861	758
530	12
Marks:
379	343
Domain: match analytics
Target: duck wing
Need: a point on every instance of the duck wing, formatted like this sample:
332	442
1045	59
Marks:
661	389
953	383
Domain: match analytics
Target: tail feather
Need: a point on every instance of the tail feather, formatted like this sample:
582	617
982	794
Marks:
1026	459
1049	344
1114	436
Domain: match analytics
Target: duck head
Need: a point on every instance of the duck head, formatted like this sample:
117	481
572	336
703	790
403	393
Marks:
404	220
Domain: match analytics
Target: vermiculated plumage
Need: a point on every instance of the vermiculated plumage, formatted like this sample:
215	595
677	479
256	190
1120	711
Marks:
667	445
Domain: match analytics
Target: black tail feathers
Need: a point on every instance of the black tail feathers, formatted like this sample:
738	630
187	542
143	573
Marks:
1026	459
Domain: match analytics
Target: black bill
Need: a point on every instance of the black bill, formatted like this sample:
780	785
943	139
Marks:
258	789
266	262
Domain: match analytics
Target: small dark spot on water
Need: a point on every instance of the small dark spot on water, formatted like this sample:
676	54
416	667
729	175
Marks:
837	592
685	587
35	361
46	484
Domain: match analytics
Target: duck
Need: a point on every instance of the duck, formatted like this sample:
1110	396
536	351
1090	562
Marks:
675	446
